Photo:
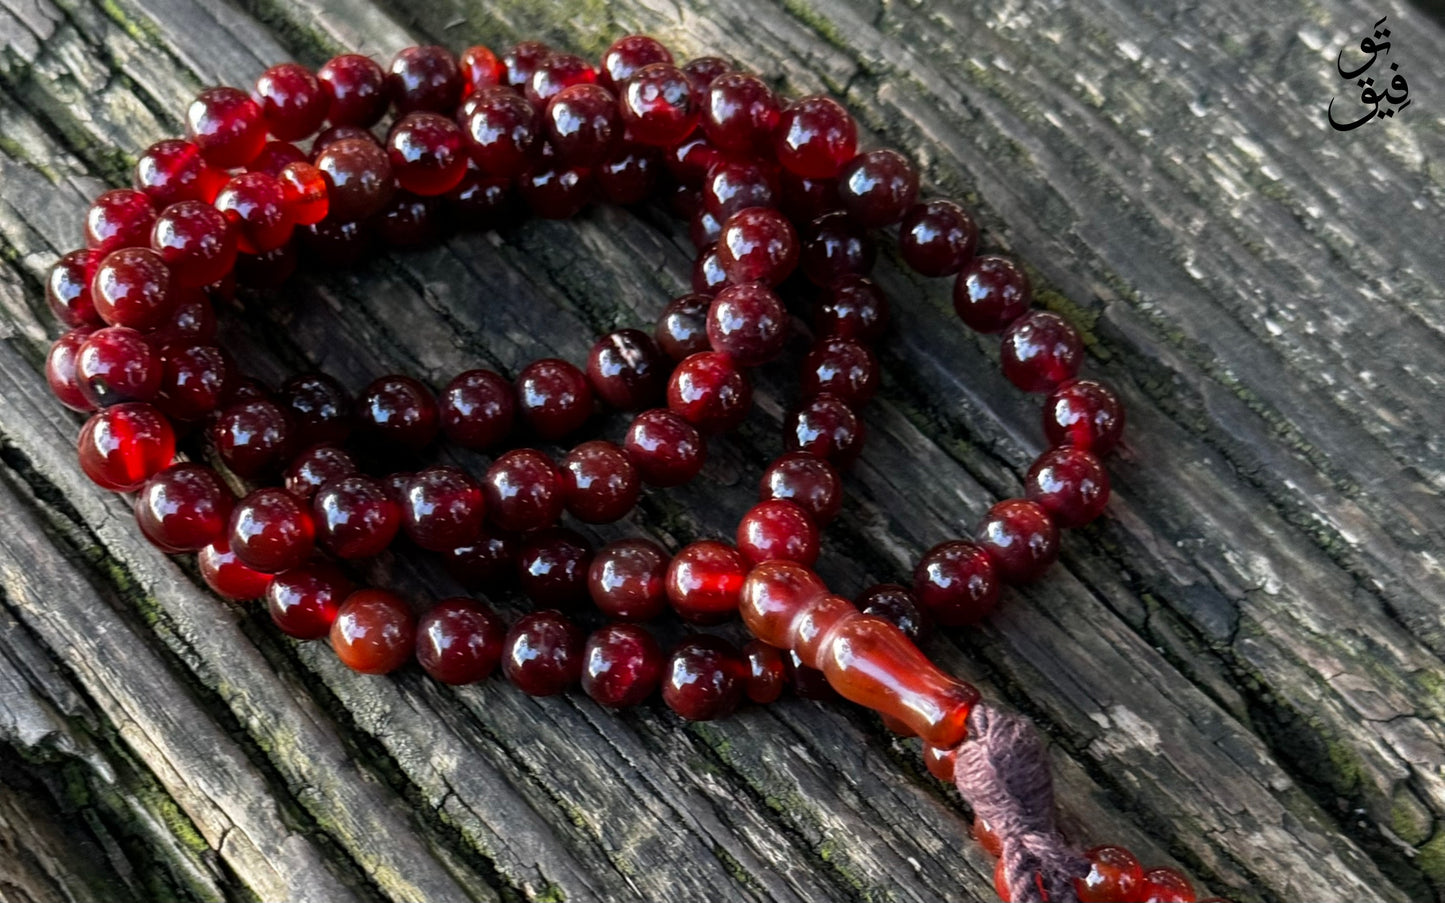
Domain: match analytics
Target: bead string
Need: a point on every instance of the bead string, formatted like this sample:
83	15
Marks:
227	205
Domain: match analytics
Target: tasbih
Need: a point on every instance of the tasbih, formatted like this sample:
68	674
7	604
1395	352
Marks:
769	188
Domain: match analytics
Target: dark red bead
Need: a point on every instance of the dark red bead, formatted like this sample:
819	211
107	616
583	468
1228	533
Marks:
275	157
316	467
807	481
600	482
552	566
1020	539
172	171
478	409
767	673
814	137
842	367
459	641
710	391
355	517
628	175
502	131
184	508
338	244
704	581
938	238
255	206
252	437
804	200
305	600
702	71
480	68
1114	874
991	293
308	199
359	179
132	287
628	54
196	241
682	327
488	562
757	245
733	185
521	60
876	188
827	427
120	218
896	605
480	202
690	159
622	665
833	246
427	153
707	272
355	88
196	381
808	683
778	529
555	73
1086	414
1041	350
582	123
853	307
553	397
410	221
704	229
739	113
1070	484
553	190
524	491
116	364
227	126
956	583
626	369
425	78
665	448
227	576
67	288
704	678
748	323
341	133
658	104
271	530
627	579
60	369
1164	885
398	410
542	653
192	320
318	407
443	508
374	632
291	100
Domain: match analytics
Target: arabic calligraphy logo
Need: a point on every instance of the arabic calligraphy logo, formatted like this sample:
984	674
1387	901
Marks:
1379	104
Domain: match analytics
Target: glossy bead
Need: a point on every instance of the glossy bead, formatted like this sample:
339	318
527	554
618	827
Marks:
355	517
710	391
807	481
991	293
841	367
477	409
896	605
255	206
252	437
956	583
778	529
488	562
117	364
271	530
1114	874
523	490
773	593
192	320
502	131
359	178
939	763
703	71
276	156
480	68
316	467
60	370
374	632
1020	539
938	238
552	566
427	153
304	601
1041	350
625	368
689	160
877	187
443	508
708	277
658	104
425	78
666	449
341	133
480	202
196	242
318	408
748	323
553	397
627	579
704	580
172	171
227	576
521	60
355	89
808	683
622	665
554	190
628	175
739	114
833	246
459	641
704	228
410	221
1071	485
1165	885
184	508
600	482
542	653
1086	414
853	307
757	245
555	73
120	218
303	187
399	411
827	427
767	672
582	123
132	287
628	54
733	185
682	327
704	678
814	137
291	100
67	288
804	200
196	381
227	126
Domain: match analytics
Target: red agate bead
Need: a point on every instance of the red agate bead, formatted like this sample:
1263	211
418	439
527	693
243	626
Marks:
132	287
304	601
600	482
489	561
704	581
255	206
896	605
552	566
119	218
658	104
304	188
192	320
1086	414
582	123
556	72
427	153
1020	539
733	185
521	60
841	367
399	410
682	326
739	113
480	68
172	171
625	369
252	437
877	187
704	70
502	131
67	288
316	467
1114	874
116	364
319	408
542	653
355	517
271	530
627	579
523	489
628	54
196	380
374	632
554	398
425	78
477	409
937	238
442	508
853	307
60	370
688	161
196	241
704	678
757	244
991	293
359	180
814	137
1071	485
835	245
227	576
553	189
827	427
1165	885
778	529
621	665
940	761
710	391
227	126
459	641
629	174
1040	351
748	323
807	481
767	673
955	582
276	156
665	448
292	103
184	507
355	89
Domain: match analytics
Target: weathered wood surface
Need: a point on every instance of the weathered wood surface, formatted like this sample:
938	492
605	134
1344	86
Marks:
1240	666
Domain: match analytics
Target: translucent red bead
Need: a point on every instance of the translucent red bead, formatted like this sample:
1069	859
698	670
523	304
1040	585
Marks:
374	632
124	445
